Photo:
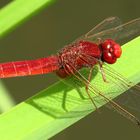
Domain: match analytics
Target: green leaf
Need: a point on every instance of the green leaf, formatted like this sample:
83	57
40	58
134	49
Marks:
44	115
18	11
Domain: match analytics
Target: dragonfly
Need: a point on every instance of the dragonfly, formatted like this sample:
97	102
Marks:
100	46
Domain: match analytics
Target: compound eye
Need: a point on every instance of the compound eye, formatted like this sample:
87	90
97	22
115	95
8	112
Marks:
107	57
117	51
110	51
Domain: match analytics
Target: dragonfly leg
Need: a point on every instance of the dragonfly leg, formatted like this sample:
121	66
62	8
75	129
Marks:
113	104
69	68
87	87
99	41
102	72
89	78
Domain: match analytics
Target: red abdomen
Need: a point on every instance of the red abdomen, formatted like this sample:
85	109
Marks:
29	67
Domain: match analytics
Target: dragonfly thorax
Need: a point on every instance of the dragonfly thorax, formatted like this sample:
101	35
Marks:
78	55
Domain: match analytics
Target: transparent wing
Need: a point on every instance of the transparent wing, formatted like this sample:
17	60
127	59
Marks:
102	95
131	98
106	24
125	31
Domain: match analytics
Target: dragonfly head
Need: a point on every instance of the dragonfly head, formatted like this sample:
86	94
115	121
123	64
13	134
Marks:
110	51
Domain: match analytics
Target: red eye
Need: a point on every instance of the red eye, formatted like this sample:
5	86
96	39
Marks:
107	57
110	51
117	50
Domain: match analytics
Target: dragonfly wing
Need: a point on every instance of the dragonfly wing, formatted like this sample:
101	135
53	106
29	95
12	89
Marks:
106	98
131	98
125	31
103	97
128	31
107	23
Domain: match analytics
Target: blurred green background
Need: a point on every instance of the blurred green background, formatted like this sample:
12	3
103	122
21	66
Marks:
49	31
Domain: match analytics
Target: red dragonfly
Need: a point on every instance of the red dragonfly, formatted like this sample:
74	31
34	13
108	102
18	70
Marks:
97	47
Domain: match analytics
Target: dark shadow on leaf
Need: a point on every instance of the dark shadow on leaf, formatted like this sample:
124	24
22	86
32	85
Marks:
59	102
